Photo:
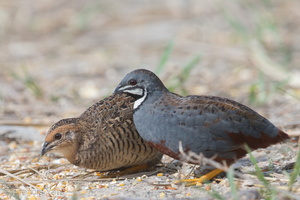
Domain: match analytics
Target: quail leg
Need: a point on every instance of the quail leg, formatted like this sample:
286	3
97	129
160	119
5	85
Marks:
202	179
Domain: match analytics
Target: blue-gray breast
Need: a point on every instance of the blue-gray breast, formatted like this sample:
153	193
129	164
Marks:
217	127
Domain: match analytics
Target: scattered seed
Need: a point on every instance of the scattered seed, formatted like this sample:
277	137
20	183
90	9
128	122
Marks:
70	188
40	186
207	187
13	145
31	197
121	184
199	184
170	188
162	195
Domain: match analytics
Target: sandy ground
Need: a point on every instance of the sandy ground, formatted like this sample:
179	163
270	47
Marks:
59	57
55	178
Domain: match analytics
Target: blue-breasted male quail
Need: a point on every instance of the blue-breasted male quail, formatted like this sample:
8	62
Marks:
216	127
102	138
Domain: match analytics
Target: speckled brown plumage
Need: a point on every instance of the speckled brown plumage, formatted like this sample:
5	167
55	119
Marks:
102	138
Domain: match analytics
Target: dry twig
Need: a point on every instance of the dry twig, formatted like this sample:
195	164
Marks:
18	178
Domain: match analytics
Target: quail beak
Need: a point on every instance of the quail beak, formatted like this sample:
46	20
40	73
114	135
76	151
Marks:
132	90
119	89
46	148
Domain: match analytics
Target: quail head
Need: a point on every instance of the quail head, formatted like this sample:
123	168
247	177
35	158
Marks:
214	126
102	138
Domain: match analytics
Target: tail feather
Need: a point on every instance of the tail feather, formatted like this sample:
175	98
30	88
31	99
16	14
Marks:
261	142
282	136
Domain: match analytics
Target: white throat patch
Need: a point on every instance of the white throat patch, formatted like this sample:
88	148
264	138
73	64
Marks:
136	91
138	102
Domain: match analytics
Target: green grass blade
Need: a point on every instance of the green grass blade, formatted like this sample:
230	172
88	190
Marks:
258	171
165	57
295	173
216	195
233	188
271	190
178	81
188	67
29	82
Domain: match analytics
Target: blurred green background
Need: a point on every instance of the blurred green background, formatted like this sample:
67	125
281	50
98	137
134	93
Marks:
59	57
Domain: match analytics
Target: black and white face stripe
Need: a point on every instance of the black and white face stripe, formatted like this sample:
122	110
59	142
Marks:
136	91
133	90
139	101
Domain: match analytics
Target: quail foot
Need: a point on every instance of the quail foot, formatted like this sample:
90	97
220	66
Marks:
102	138
214	126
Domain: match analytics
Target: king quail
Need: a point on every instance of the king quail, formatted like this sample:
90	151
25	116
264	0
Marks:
216	127
102	138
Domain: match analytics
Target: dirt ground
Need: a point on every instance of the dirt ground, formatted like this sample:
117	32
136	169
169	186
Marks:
59	57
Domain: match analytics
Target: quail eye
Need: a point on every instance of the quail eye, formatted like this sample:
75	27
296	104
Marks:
57	136
132	82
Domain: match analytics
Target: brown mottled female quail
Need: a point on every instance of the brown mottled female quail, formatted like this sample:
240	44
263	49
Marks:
102	138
